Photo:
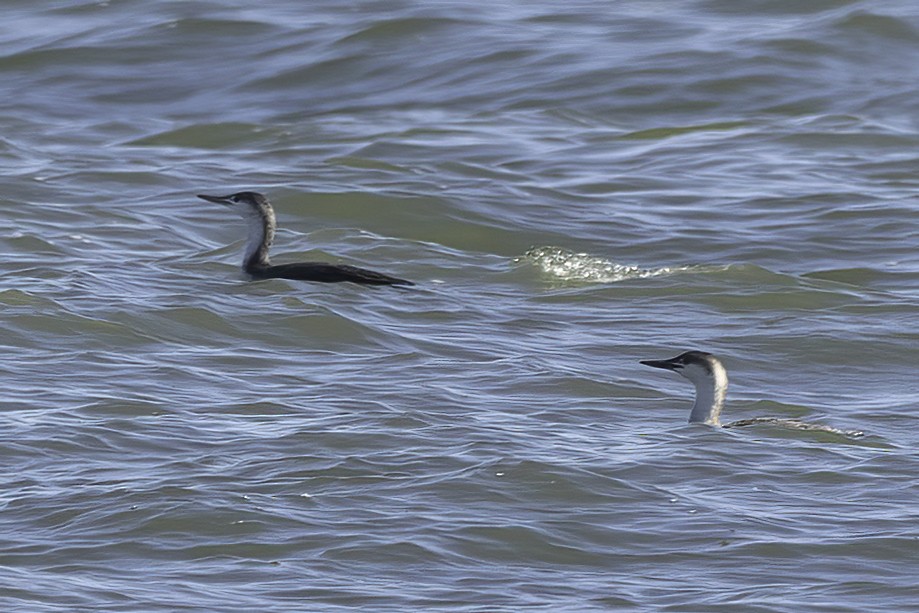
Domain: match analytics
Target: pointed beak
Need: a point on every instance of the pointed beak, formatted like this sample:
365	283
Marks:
665	364
224	200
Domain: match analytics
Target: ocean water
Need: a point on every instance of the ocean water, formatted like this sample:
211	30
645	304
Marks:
573	187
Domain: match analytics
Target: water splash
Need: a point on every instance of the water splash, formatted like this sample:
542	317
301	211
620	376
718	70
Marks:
570	266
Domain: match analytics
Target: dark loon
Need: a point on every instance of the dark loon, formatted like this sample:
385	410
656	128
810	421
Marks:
709	376
259	215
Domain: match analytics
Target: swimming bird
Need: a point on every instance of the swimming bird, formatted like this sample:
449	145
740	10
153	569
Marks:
710	378
259	215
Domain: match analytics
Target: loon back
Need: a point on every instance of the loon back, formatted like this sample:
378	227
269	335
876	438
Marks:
327	273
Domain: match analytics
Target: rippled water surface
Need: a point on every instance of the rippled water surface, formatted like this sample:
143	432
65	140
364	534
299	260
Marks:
573	187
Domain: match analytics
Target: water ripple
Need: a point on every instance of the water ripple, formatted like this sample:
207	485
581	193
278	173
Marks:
735	177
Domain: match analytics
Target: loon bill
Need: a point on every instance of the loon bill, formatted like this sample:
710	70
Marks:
710	378
259	215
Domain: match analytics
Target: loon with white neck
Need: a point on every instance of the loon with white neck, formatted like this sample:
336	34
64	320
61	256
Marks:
710	378
259	215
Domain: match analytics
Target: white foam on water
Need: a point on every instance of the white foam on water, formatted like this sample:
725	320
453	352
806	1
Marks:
570	266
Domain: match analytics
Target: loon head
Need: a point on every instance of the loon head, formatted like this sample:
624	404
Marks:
697	366
709	377
245	203
259	215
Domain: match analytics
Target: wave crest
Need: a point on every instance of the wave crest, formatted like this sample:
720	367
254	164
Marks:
570	266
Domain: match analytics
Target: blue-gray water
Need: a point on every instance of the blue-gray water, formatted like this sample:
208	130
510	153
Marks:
574	187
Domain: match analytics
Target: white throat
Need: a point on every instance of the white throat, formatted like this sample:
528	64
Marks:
710	392
259	238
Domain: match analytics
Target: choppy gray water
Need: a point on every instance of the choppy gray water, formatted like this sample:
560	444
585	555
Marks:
575	187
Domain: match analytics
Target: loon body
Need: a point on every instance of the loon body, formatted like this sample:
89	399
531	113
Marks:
259	215
710	378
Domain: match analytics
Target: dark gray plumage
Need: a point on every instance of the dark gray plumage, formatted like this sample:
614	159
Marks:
258	213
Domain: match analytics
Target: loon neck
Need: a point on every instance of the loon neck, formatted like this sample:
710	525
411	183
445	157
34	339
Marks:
261	235
709	399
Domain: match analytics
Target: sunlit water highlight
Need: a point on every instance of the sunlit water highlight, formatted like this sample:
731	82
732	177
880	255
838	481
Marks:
565	265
